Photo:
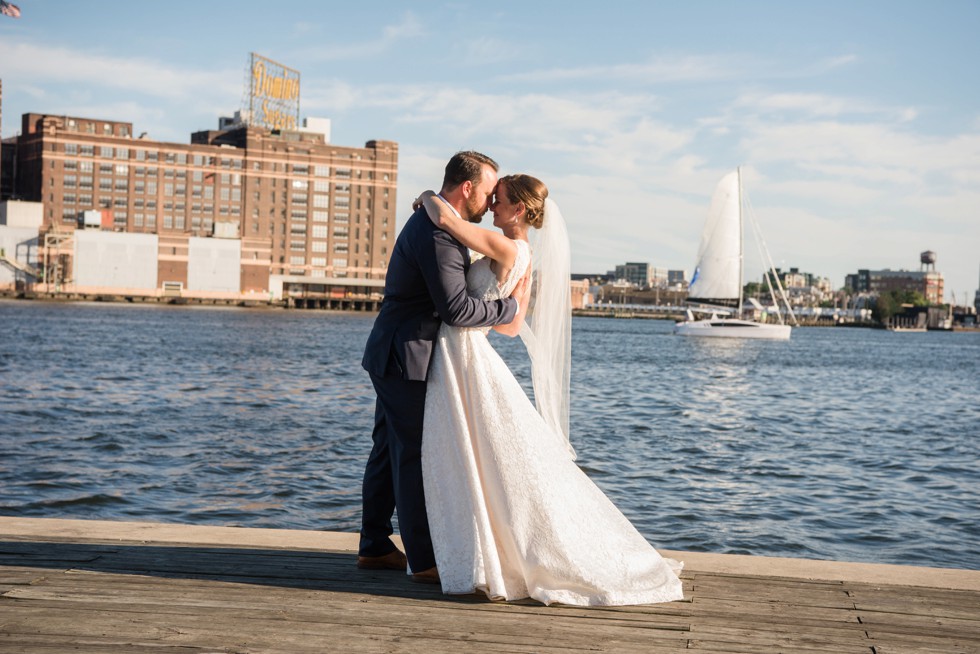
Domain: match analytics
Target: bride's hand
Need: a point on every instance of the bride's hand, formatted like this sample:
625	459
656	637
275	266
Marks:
523	287
440	213
420	200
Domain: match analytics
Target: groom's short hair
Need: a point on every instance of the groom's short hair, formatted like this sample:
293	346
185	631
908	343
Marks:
466	166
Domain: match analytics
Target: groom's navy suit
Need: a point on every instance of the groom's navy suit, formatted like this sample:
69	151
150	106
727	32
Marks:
425	286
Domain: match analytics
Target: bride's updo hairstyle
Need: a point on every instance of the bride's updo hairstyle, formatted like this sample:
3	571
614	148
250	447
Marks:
529	190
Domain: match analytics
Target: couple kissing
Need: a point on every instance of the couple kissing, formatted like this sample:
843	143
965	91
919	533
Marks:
484	480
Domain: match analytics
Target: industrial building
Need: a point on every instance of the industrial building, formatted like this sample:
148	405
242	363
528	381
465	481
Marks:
241	210
926	281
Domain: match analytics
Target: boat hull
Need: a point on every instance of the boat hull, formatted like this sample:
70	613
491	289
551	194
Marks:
732	328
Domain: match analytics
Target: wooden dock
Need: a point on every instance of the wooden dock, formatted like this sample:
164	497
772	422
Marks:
114	587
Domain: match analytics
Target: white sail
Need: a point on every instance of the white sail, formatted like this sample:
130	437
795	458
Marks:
718	273
717	278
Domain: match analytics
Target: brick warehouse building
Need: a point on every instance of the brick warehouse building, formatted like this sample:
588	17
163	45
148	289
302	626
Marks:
303	210
929	283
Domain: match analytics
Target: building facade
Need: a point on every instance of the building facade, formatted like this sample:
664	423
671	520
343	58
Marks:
803	289
676	278
876	282
638	274
19	246
301	207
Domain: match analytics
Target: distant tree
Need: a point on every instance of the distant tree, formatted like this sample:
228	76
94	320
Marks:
752	289
884	307
890	303
914	298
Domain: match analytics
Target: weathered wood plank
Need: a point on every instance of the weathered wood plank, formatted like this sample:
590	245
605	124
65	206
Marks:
264	632
550	635
43	645
914	636
555	630
119	596
314	609
830	641
927	645
190	593
904	648
965	607
324	610
772	612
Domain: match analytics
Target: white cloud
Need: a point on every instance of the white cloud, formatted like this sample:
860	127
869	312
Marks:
587	125
834	192
837	62
392	35
862	150
660	70
306	28
42	64
332	96
490	50
815	105
728	67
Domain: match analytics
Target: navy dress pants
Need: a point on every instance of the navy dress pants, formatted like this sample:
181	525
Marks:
393	475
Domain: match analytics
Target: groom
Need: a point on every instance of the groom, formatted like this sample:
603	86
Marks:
425	286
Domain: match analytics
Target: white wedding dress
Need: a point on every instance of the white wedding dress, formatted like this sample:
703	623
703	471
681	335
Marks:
510	512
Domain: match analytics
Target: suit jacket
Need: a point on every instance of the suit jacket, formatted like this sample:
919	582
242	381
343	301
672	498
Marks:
425	286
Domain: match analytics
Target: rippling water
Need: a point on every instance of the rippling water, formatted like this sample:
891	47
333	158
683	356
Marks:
845	444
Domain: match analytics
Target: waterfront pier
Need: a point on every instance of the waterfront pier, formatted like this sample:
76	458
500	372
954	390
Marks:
113	587
305	301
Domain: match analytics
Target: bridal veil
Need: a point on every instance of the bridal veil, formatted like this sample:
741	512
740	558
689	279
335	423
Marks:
547	331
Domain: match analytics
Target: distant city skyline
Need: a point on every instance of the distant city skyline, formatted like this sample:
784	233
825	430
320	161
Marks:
857	124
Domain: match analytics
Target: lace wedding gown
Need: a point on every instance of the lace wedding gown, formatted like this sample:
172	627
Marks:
510	512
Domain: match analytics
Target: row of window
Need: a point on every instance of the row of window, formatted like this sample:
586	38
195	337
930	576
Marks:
120	207
182	158
90	128
122	202
120	219
207	192
197	176
339	269
297	215
317	262
88	167
319	186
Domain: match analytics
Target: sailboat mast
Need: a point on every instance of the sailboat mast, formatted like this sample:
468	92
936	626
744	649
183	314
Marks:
741	246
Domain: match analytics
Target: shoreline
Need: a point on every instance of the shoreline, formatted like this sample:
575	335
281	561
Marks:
302	304
311	305
132	298
348	306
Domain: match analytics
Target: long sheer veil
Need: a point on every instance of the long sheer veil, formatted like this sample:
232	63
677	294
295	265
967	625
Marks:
547	331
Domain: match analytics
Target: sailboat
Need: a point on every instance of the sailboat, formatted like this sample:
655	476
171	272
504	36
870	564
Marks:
716	287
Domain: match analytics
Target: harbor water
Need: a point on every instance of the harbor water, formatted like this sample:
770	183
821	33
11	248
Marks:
845	444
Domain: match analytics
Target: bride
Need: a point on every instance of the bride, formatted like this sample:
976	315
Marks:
510	512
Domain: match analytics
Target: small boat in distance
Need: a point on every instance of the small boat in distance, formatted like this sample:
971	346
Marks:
907	329
918	323
716	287
730	328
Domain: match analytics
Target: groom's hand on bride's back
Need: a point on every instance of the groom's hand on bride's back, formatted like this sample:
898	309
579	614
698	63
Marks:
521	293
522	288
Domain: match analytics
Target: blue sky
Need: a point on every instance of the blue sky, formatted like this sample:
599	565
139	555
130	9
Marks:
857	124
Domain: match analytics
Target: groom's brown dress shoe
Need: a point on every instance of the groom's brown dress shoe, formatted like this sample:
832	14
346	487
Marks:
430	576
392	561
